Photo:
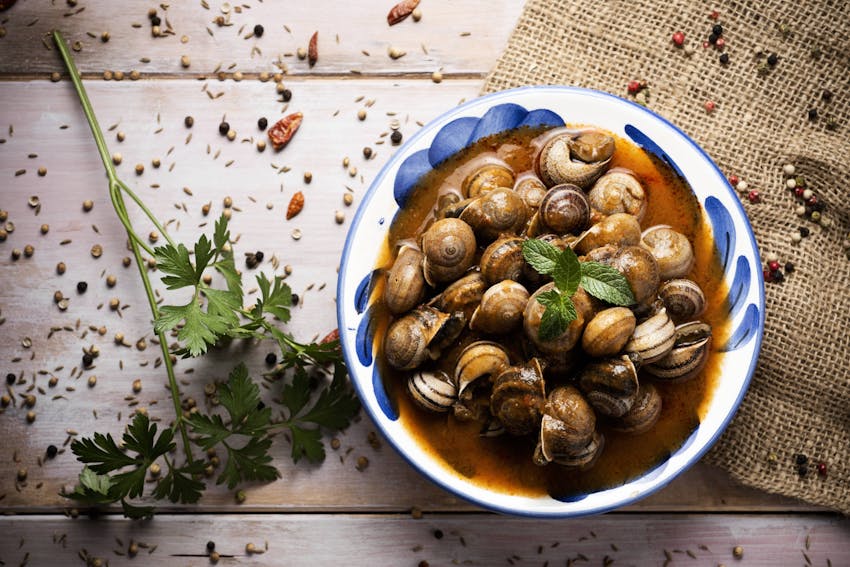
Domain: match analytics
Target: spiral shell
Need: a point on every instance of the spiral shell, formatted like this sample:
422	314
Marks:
532	190
555	163
487	178
405	282
567	340
610	385
479	359
582	460
501	308
564	209
688	355
618	191
503	260
608	332
640	269
653	338
644	412
567	426
433	391
683	299
408	337
449	248
495	212
672	251
462	295
619	229
518	397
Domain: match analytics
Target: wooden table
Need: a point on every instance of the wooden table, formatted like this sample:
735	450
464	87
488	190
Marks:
334	513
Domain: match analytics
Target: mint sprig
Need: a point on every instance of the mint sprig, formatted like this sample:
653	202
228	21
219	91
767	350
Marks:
568	274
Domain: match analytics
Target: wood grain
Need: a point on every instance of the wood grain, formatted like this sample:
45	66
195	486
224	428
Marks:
465	539
74	174
457	37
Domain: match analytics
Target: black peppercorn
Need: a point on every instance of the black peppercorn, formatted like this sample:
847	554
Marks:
262	123
772	59
87	360
395	138
826	96
210	546
287	95
10	378
778	276
724	58
295	299
813	114
259	255
800	460
438	534
717	30
712	39
261	405
51	451
271	359
189	121
258	30
804	232
155	21
82	287
789	267
223	128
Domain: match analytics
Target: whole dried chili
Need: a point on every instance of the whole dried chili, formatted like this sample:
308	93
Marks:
284	129
401	10
313	49
296	203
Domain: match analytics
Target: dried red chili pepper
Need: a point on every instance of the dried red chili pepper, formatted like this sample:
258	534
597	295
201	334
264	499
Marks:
313	49
330	337
284	129
401	10
296	203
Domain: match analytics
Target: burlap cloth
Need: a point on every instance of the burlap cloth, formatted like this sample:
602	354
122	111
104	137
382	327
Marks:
799	400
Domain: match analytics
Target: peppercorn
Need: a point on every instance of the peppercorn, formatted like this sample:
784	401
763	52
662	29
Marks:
822	469
804	231
295	299
826	96
258	30
367	152
189	121
52	451
789	267
801	460
778	276
724	58
82	287
773	266
395	137
772	59
438	534
678	39
262	123
10	378
223	128
813	114
271	359
633	87
87	360
259	255
210	545
287	95
712	39
717	30
753	196
155	21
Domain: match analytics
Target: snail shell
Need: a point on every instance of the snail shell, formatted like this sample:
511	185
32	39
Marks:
463	294
407	339
672	251
618	191
503	260
449	249
564	209
608	332
610	385
531	190
448	331
518	397
479	359
568	339
433	391
641	269
688	356
579	160
653	338
495	212
644	413
583	459
486	179
405	281
619	229
567	425
683	299
446	202
501	308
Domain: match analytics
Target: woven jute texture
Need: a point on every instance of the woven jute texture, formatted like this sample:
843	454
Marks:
799	399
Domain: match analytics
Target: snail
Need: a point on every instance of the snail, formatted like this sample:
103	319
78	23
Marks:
487	178
683	299
578	159
405	282
503	260
564	209
434	391
518	397
610	385
494	213
618	191
567	426
501	308
671	249
449	249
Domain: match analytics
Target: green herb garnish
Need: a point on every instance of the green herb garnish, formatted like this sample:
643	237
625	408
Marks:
568	273
314	393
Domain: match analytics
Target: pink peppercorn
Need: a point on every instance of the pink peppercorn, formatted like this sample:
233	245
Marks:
633	87
822	469
798	191
714	15
768	275
705	45
733	180
720	43
812	200
774	266
710	106
678	39
753	196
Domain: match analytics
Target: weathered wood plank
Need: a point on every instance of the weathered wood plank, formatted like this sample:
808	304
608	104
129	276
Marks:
75	174
466	539
353	36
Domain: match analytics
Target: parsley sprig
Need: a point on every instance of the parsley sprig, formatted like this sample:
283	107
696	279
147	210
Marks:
314	392
568	273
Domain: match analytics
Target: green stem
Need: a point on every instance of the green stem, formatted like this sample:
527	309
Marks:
115	187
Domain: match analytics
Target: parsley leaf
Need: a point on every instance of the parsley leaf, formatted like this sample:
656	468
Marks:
606	283
276	299
200	329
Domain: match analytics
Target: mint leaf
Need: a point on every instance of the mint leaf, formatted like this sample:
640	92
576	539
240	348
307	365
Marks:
567	272
550	297
540	255
557	317
606	283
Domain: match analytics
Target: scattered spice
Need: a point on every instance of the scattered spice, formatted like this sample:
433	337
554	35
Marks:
296	203
396	137
738	552
281	133
678	39
401	11
313	49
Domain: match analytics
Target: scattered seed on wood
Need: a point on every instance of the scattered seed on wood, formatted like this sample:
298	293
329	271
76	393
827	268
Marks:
313	49
395	53
97	251
401	11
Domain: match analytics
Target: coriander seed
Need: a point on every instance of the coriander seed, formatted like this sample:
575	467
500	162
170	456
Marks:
738	552
137	385
156	163
367	152
120	136
114	303
111	280
361	114
437	77
29	250
185	61
153	236
416	14
347	199
92	381
188	122
42	171
339	217
205	209
30	416
97	251
104	37
45	228
135	75
87	205
55	76
16	254
261	145
250	548
231	135
308	177
22	474
60	268
214	557
228	202
117	158
140	169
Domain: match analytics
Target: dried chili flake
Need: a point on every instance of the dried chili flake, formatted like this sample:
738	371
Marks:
332	336
296	203
313	49
284	129
401	10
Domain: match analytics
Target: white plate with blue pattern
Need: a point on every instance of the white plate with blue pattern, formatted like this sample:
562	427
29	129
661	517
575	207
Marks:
552	106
